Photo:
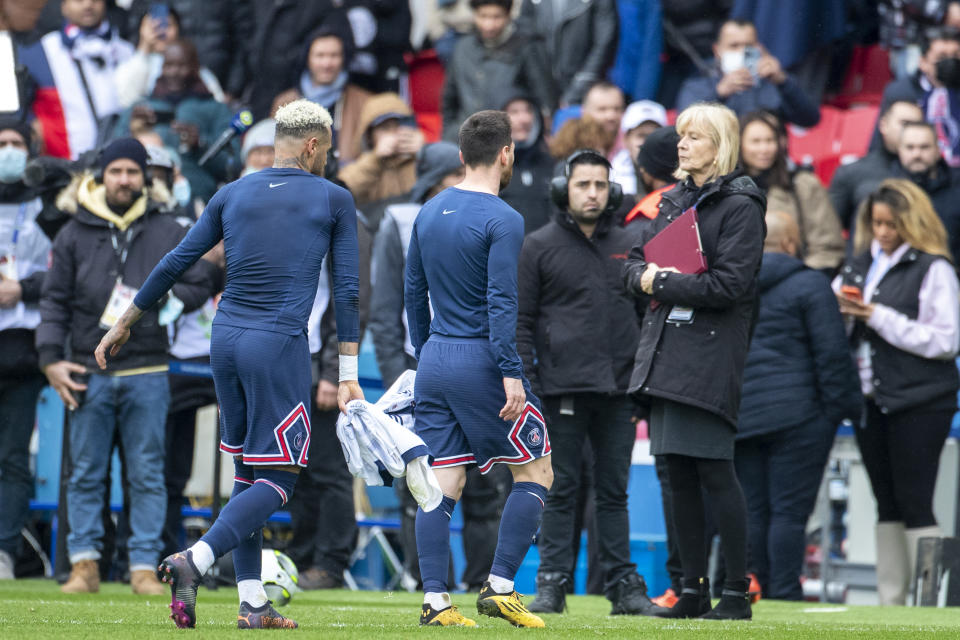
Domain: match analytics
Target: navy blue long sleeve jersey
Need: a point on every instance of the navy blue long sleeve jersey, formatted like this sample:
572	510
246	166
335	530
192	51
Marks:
277	225
462	259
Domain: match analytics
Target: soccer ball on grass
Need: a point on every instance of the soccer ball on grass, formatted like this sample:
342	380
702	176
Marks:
279	575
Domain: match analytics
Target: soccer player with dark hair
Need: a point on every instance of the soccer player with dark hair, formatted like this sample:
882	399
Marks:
473	403
277	225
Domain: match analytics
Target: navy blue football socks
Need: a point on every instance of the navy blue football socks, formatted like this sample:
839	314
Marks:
518	525
247	555
248	510
433	545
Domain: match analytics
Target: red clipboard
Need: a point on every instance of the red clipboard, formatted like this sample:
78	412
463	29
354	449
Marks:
678	245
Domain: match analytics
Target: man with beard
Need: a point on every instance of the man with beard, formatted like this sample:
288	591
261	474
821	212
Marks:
100	258
473	402
921	162
577	330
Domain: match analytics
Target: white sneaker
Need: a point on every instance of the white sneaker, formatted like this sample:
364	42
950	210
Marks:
6	566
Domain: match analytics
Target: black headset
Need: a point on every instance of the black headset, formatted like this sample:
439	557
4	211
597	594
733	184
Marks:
559	184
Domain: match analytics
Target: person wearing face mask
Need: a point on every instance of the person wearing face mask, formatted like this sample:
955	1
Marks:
533	164
639	120
747	78
187	117
935	88
797	193
24	252
921	163
899	294
257	151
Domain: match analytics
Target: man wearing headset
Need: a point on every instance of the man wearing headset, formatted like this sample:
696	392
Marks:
576	327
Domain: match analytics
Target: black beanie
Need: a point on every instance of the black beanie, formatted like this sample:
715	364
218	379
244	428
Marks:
18	125
129	148
658	155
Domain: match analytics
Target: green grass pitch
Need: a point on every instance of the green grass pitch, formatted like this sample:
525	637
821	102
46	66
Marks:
34	609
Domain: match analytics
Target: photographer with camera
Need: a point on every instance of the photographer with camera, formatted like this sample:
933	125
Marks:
746	78
577	330
99	260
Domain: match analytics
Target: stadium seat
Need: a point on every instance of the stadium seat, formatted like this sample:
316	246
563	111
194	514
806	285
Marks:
867	75
808	146
857	129
425	82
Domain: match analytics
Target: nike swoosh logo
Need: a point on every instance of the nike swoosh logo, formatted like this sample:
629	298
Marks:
445	211
279	184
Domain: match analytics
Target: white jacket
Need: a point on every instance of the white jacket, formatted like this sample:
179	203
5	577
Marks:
379	443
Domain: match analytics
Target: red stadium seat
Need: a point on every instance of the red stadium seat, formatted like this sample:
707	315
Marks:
857	129
431	124
807	146
825	167
867	75
425	80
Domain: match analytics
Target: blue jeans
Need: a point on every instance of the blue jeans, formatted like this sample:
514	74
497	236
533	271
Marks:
136	406
18	410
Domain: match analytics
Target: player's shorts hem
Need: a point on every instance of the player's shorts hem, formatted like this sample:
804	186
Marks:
254	462
524	453
454	461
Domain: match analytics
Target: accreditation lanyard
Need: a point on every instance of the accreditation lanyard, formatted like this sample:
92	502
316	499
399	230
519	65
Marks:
8	266
122	295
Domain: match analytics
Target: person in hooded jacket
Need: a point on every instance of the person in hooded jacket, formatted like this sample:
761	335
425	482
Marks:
798	385
24	253
529	191
386	149
698	325
577	328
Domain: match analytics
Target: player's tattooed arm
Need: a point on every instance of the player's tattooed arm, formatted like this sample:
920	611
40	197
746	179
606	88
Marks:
117	336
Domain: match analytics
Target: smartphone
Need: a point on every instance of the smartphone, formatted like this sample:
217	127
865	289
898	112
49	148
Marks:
851	292
80	378
751	56
160	13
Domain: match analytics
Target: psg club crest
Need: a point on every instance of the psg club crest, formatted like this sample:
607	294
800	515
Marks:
535	437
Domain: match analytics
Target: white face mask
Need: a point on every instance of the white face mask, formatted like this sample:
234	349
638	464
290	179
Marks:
730	61
247	171
13	161
181	192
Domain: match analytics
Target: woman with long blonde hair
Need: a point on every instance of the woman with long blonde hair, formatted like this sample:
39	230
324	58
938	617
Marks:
901	293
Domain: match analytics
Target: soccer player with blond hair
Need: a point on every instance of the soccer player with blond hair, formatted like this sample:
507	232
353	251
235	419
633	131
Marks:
277	226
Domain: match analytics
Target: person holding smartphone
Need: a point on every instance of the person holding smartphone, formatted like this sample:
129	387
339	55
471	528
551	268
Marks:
900	296
747	78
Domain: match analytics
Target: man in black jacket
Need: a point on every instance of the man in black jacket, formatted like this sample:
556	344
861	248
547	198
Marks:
852	183
921	162
577	329
529	191
100	258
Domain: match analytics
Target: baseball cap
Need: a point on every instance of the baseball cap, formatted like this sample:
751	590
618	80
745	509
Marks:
643	111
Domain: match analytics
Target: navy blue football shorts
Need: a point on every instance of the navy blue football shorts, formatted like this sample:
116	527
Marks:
459	395
263	388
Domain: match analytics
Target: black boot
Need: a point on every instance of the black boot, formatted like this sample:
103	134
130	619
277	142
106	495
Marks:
694	600
734	603
551	593
629	597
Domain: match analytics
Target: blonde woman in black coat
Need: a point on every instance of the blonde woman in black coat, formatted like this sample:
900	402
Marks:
693	347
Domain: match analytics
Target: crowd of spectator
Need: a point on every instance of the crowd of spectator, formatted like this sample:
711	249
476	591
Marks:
126	128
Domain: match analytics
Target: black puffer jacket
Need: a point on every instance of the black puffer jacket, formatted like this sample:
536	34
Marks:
701	363
799	368
222	31
82	275
577	327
